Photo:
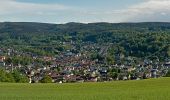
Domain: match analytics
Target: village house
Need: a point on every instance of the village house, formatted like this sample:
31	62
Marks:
2	60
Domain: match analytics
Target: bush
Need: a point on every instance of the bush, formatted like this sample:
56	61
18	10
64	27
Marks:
6	77
168	74
19	78
46	79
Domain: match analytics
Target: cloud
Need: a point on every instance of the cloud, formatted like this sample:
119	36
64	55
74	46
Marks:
147	10
14	7
150	10
15	11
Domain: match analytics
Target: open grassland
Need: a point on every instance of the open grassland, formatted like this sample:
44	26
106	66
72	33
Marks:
152	89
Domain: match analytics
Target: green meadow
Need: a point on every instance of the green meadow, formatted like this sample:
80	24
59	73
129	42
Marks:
151	89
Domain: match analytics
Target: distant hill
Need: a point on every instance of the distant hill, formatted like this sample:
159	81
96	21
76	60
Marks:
22	27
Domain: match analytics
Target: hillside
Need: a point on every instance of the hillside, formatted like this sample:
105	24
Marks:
137	39
31	27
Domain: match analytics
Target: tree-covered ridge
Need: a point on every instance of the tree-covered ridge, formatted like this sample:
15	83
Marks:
135	39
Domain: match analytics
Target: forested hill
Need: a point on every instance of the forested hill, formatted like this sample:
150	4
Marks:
25	27
135	39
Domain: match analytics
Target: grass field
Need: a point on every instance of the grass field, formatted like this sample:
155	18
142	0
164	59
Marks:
152	89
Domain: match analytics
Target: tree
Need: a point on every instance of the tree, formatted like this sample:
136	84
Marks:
8	61
168	51
168	74
10	78
46	79
6	77
110	60
95	56
113	73
19	78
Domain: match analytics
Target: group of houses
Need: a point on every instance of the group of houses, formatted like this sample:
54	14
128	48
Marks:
78	67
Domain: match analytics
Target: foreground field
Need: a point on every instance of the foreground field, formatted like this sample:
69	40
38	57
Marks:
153	89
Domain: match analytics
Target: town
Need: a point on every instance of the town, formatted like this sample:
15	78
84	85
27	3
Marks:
89	62
84	49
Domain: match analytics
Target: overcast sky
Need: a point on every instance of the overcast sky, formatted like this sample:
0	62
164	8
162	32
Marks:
63	11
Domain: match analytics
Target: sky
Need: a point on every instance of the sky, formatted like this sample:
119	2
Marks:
84	11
